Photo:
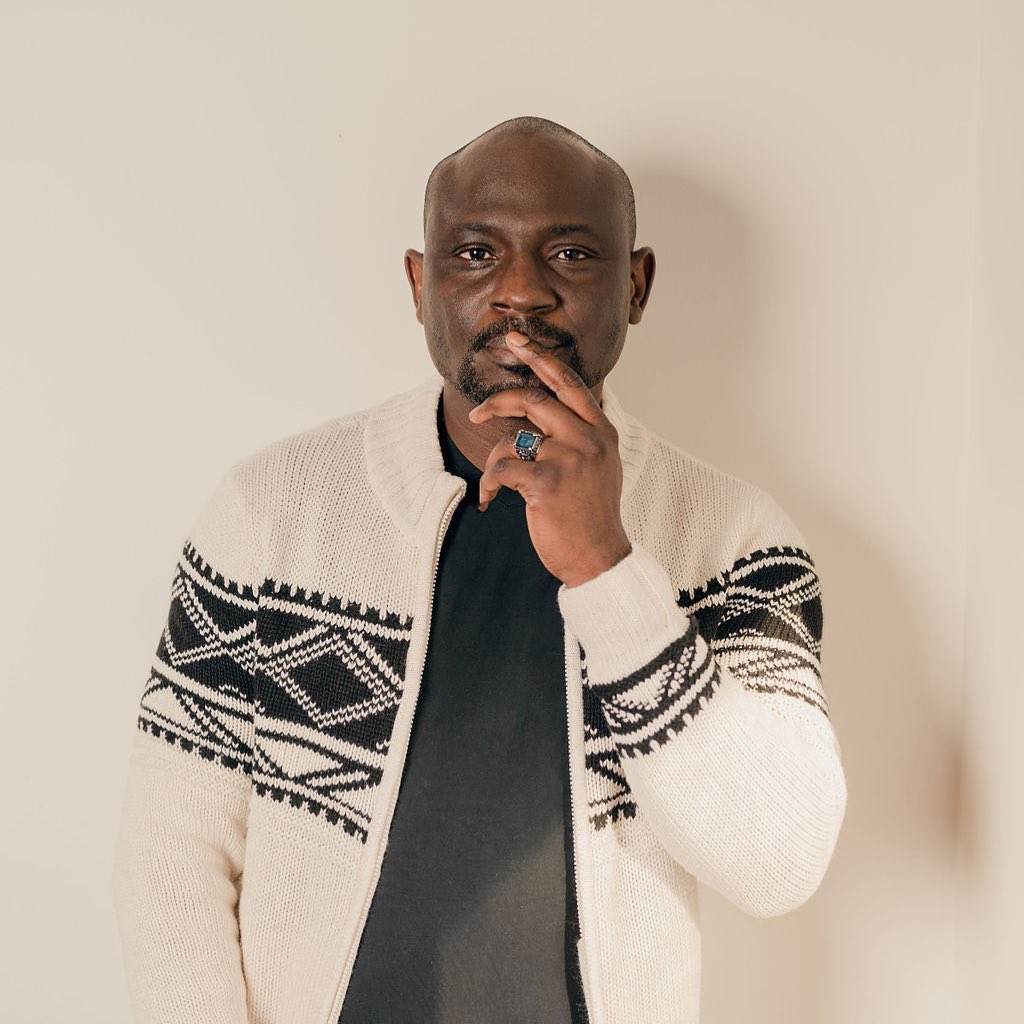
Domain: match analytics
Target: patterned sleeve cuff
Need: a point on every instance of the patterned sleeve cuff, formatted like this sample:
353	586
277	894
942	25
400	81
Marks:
624	617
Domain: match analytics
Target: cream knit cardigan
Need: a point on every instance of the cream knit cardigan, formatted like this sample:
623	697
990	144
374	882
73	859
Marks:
274	724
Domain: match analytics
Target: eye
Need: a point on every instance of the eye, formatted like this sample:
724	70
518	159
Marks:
569	255
473	254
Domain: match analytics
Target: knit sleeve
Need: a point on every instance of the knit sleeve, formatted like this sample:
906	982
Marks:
181	839
720	720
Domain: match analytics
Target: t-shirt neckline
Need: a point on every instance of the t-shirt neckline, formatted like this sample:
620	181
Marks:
456	463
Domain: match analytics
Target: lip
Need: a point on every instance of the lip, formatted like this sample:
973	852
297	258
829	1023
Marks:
500	344
504	355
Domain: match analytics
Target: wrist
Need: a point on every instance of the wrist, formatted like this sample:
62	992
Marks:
584	573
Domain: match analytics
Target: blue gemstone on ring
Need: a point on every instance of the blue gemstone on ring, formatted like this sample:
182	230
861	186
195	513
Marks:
527	443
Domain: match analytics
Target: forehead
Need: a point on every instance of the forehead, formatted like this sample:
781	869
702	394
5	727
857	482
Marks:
527	180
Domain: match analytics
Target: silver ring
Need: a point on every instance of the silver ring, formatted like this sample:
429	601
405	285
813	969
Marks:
526	444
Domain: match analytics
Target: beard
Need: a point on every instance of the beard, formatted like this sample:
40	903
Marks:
469	382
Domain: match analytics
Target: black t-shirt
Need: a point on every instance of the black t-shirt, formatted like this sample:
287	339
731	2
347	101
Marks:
474	917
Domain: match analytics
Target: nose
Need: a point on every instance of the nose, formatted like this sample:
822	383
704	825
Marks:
521	286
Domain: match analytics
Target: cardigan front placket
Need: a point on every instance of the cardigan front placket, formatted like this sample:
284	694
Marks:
450	491
441	506
407	472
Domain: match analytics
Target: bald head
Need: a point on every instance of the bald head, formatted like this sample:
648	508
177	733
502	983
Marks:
537	128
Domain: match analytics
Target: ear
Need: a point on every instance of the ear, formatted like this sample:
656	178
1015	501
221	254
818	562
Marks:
641	275
414	273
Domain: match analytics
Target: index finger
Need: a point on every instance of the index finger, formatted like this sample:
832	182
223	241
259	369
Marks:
568	386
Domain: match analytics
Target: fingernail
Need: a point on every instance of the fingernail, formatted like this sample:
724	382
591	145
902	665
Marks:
516	339
482	507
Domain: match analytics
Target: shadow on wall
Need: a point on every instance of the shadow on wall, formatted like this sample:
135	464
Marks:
699	373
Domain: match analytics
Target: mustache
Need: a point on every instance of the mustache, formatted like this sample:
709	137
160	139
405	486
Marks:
533	327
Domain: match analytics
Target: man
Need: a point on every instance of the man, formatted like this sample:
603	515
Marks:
462	695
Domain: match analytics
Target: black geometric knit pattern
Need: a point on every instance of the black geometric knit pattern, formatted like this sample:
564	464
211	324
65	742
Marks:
769	635
296	690
608	794
199	690
654	702
762	620
328	685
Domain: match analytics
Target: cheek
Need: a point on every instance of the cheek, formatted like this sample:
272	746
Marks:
452	311
602	317
602	333
601	300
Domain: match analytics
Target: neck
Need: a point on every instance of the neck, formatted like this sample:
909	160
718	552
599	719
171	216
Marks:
476	440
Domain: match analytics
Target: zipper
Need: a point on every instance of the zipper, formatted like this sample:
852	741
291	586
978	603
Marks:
572	830
339	995
585	954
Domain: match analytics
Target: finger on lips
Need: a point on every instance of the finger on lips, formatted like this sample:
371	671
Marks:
552	371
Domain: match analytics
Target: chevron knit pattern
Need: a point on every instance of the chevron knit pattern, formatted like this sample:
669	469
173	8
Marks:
328	685
199	692
324	680
762	618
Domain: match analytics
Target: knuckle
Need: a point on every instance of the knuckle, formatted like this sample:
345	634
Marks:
547	472
537	395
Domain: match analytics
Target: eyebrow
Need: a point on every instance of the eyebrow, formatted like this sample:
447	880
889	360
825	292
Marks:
552	229
571	229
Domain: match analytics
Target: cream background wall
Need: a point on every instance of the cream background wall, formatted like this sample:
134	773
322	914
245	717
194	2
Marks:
993	829
203	208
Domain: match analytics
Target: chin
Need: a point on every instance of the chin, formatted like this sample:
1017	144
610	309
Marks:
475	389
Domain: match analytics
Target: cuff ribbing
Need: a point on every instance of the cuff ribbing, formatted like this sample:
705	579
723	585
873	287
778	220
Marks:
623	617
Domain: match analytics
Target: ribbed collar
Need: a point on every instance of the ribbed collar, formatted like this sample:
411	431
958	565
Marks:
406	467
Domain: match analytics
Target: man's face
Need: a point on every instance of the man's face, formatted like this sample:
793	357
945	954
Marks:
526	233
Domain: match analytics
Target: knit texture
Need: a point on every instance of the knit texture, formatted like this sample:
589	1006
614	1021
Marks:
274	723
